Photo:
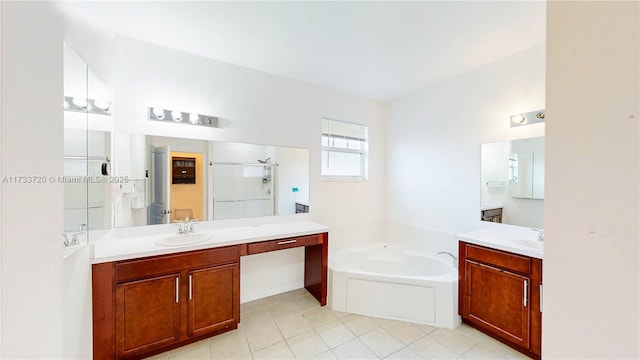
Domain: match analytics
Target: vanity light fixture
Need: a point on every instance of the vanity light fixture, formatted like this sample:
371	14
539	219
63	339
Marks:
176	116
194	118
157	113
182	117
531	117
84	105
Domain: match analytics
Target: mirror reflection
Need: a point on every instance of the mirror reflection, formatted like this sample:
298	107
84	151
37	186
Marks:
512	182
171	179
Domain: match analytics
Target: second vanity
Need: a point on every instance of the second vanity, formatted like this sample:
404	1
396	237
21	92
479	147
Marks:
149	298
500	286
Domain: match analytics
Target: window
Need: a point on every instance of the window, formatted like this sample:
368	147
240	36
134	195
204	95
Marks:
344	150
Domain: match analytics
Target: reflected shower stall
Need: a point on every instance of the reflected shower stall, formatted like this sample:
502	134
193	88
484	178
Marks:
244	189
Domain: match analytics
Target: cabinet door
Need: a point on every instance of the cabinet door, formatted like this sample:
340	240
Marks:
498	301
147	314
213	299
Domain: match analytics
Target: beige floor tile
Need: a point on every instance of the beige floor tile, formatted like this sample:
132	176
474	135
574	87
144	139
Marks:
354	349
260	337
424	328
335	333
255	305
279	351
454	340
281	309
293	294
481	352
327	355
340	314
319	317
404	331
305	303
193	347
229	334
194	353
232	346
255	318
379	321
502	349
293	325
404	354
429	348
381	342
307	345
470	332
359	324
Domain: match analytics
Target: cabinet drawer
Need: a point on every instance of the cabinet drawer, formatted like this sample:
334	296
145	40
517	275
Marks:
500	259
280	244
164	264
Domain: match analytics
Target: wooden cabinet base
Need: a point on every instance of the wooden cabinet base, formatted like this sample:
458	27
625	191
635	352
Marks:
499	294
146	306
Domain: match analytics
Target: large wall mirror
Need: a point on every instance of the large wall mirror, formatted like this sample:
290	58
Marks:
168	179
512	182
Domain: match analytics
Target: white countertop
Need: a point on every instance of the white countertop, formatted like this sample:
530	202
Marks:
507	239
124	245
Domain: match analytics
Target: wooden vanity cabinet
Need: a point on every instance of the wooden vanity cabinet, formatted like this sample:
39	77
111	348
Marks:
147	314
149	305
499	294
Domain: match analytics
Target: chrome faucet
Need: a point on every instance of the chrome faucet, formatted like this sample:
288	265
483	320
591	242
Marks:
455	259
186	226
540	234
74	238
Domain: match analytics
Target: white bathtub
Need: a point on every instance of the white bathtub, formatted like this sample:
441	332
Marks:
395	283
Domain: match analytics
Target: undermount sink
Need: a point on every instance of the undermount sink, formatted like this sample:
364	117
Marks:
533	244
183	239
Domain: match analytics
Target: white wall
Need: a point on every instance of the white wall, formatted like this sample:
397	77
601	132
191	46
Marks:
434	137
31	138
591	265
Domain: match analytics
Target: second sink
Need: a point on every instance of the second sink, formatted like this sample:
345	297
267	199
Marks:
533	244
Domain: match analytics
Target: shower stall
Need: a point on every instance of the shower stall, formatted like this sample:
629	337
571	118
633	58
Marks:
244	189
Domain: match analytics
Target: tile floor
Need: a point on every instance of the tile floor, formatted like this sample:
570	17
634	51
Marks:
294	326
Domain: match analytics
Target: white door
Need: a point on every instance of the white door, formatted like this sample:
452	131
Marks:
160	205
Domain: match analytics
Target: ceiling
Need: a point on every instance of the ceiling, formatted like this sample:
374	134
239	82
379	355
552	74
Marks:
376	50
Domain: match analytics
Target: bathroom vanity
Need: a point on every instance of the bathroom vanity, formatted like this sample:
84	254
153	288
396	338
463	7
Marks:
153	299
500	289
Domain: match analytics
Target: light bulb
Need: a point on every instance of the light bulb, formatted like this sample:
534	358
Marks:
79	102
193	118
158	113
176	115
66	105
103	105
517	119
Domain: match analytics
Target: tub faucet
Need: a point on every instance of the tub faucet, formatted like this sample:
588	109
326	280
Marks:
455	259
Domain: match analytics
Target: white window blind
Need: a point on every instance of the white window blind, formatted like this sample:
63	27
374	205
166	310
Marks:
344	150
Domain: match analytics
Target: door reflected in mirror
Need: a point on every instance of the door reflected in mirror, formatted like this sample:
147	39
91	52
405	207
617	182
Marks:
176	178
512	182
